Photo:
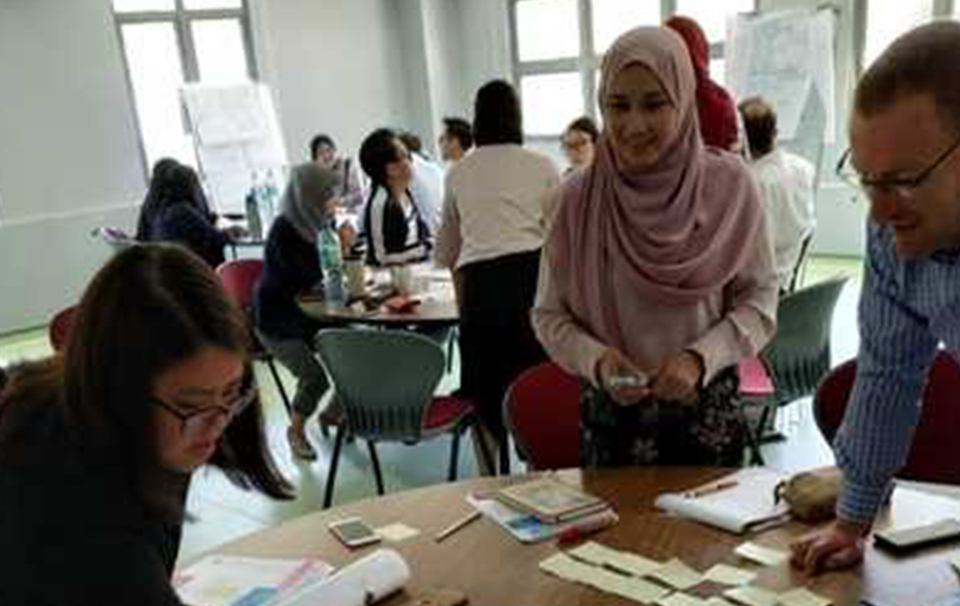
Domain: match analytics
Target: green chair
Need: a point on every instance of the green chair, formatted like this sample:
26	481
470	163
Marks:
798	356
385	381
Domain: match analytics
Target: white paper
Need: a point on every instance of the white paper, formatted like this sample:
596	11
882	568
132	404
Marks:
734	509
601	555
564	567
226	580
363	582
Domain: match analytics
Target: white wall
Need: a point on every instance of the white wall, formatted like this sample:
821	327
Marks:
69	155
69	159
335	67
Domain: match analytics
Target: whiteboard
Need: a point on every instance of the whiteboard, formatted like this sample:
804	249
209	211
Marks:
787	57
237	138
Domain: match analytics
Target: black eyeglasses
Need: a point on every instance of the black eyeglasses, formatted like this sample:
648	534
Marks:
198	421
903	187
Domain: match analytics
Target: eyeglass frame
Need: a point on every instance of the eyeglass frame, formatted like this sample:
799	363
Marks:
248	394
904	187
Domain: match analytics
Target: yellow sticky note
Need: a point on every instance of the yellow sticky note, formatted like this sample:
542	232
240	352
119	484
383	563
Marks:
752	596
680	599
802	596
678	575
729	575
767	556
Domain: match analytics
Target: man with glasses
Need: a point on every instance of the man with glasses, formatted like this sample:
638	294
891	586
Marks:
904	135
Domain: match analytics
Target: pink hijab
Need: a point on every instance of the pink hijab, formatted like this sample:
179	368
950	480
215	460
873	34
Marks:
680	229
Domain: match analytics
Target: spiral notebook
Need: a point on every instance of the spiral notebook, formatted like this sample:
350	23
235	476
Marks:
739	502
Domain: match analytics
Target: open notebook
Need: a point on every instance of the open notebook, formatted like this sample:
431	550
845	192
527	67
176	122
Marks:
738	502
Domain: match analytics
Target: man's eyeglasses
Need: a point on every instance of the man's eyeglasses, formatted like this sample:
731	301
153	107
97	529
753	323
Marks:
200	421
902	187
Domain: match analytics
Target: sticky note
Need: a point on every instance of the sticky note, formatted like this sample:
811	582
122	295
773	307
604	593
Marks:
729	575
676	574
397	532
767	556
752	596
717	601
601	555
680	599
802	596
567	568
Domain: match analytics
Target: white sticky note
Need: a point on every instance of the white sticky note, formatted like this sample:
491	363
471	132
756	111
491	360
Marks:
624	561
802	596
717	601
729	575
680	599
767	556
678	575
752	596
593	552
397	532
564	567
631	588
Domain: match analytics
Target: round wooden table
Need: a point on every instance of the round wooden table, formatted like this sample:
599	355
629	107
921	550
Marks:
437	307
491	567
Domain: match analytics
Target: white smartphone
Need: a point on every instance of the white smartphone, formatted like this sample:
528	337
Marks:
354	532
637	380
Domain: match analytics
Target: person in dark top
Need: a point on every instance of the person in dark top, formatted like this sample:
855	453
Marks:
98	443
292	267
176	210
393	227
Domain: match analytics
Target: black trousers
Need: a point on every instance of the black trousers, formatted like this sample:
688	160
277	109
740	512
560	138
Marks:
497	341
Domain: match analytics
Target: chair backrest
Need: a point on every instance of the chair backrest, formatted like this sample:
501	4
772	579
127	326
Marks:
542	411
114	237
385	379
240	278
798	356
938	427
798	268
59	330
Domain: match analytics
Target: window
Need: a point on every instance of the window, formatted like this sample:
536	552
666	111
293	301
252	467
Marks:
167	43
887	20
559	44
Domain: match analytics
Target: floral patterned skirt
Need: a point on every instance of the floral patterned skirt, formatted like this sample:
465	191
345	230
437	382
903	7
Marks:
710	431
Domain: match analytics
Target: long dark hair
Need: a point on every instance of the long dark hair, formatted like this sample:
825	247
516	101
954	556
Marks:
149	308
377	151
497	117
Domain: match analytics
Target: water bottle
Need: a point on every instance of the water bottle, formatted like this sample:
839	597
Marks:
331	262
271	195
252	207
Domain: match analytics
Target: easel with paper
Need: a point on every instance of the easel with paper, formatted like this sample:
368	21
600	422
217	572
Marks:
788	58
237	138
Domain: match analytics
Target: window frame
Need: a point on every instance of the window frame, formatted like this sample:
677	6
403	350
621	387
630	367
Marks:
181	18
586	63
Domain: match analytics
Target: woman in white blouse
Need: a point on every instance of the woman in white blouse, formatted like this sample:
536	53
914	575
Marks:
490	237
393	227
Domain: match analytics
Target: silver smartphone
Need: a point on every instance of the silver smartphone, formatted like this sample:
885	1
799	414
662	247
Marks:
354	532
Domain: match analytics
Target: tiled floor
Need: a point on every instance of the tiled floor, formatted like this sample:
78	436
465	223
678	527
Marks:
223	512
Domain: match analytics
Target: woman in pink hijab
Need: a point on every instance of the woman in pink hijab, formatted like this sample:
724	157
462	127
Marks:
658	274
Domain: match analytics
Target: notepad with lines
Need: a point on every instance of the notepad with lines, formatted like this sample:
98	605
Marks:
738	508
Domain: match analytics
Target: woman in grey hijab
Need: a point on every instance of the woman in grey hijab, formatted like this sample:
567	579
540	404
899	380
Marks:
291	268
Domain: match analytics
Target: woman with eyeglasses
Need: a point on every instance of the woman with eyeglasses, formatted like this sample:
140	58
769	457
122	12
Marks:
579	143
98	444
658	274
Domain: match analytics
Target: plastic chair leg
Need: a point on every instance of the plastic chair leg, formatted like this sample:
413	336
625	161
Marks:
332	472
454	454
283	392
377	473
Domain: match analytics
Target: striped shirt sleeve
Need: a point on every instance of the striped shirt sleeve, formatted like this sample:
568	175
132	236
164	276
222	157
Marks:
896	350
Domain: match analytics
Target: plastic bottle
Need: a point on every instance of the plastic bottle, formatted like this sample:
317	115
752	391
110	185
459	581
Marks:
252	207
331	262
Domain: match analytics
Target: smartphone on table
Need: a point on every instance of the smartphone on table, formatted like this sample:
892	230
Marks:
354	532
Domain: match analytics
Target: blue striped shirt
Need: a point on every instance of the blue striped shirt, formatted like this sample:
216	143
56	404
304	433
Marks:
907	308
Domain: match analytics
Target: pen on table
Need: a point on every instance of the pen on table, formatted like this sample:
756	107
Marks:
449	530
700	492
585	529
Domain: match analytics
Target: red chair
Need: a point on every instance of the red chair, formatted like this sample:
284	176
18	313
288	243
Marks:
59	330
239	279
937	430
542	412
